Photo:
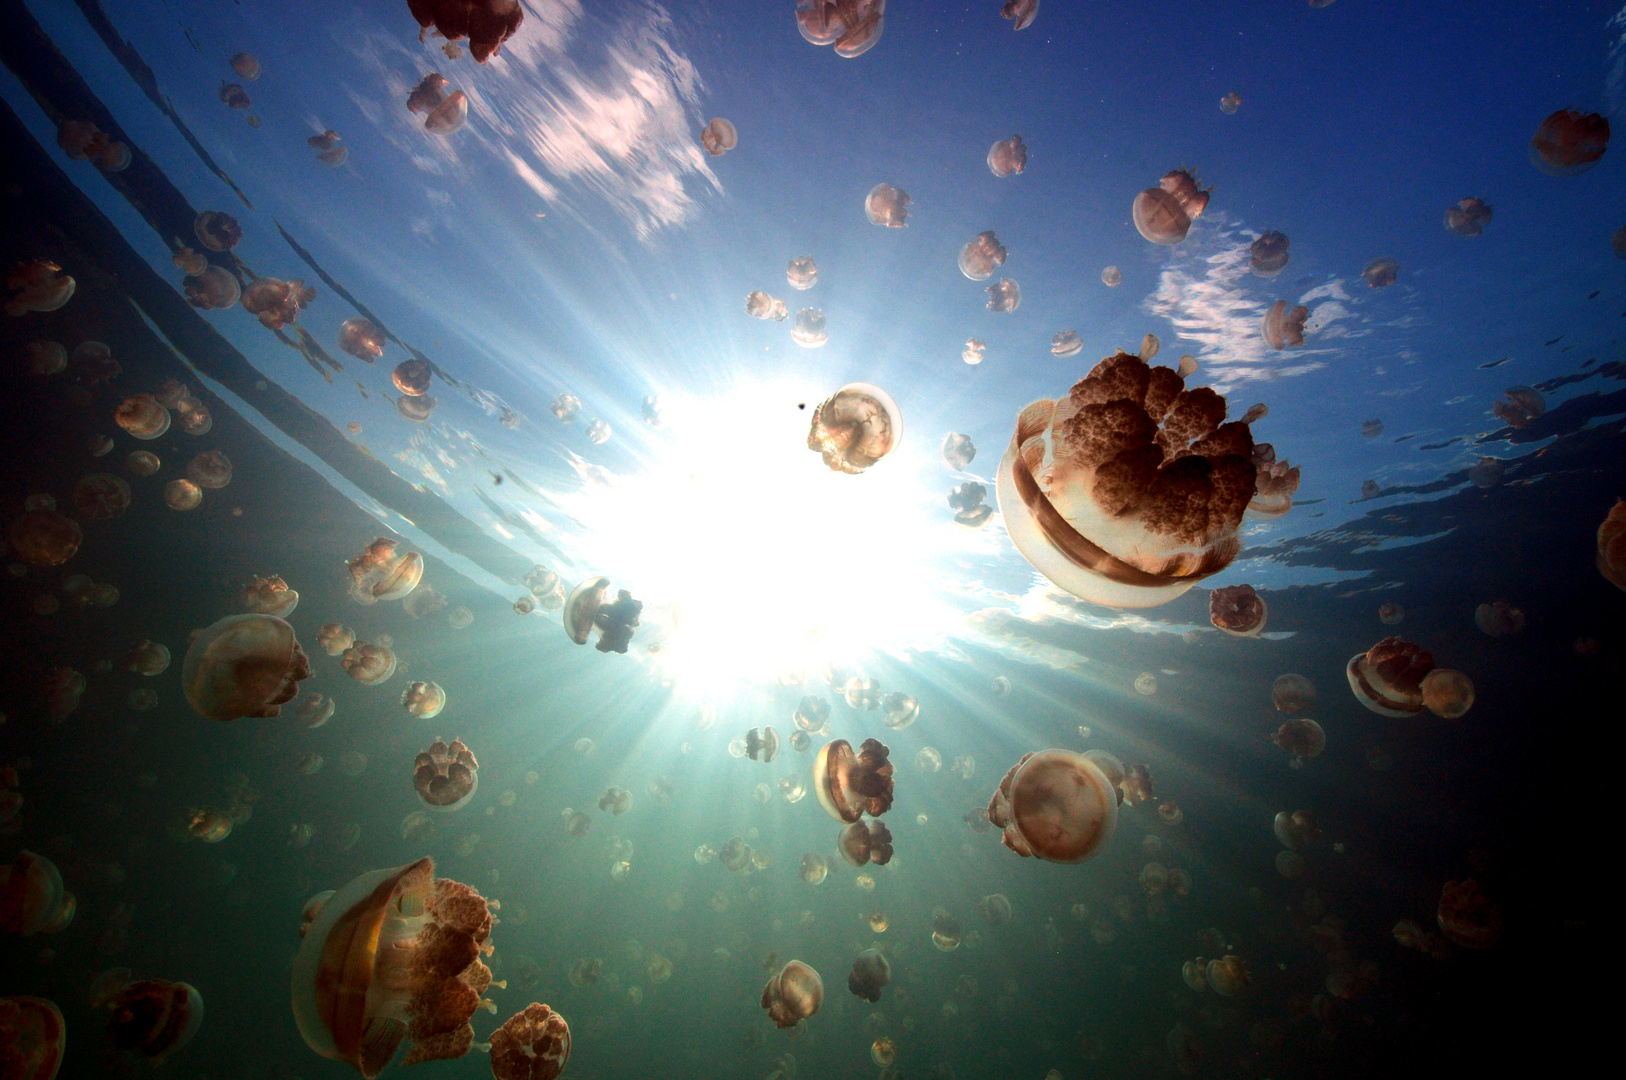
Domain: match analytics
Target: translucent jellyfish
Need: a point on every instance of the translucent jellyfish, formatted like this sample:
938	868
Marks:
964	766
425	602
861	692
216	230
1004	295
1001	686
44	358
1170	813
1391	614
849	785
793	994
142	463
899	710
1066	343
99	496
37	286
32	899
802	273
362	339
762	744
958	451
155	1017
869	976
946	931
368	662
759	305
1388	677
1228	976
615	801
1146	683
1283	327
1569	142
584	746
972	353
1230	103
887	206
1487	473
211	469
1520	406
415	975
1499	619
334	638
1296	831
234	96
411	377
423	700
1302	738
1238	610
146	658
378	573
968	505
852	26
995	909
460	618
1292	694
243	665
1195	974
1469	217
566	407
246	66
1267	256
547	587
1020	12
1611	545
275	302
1380	272
1008	156
1467	916
43	537
310	764
269	596
314	710
586	609
328	150
1055	805
577	823
213	290
855	427
443	113
981	256
809	331
1164	214
586	971
446	775
533	1044
718	137
814	869
1447	693
142	417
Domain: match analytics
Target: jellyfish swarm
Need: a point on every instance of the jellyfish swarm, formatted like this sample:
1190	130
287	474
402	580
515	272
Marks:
1238	610
142	417
43	537
615	621
958	451
1301	738
849	785
446	776
243	665
1611	545
32	1037
275	302
1283	327
1066	343
1499	619
809	331
852	26
155	1017
533	1044
444	113
1521	405
718	137
1055	805
887	206
32	899
1569	142
855	427
1130	490
981	255
486	23
1164	214
1267	256
759	305
1008	156
865	842
394	955
1467	916
1469	217
378	573
968	505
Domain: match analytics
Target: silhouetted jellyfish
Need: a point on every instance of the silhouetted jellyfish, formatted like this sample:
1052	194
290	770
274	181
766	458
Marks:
718	137
995	908
1267	256
577	823
243	665
958	451
1301	738
1056	806
1230	103
869	976
1371	489
849	785
615	621
233	96
811	714
1371	429
1164	214
423	700
217	230
362	339
1499	619
32	899
142	417
1521	405
533	1044
415	975
793	994
852	26
44	358
1469	217
37	286
1021	12
586	971
411	377
446	775
887	206
899	710
809	331
1228	976
799	741
444	113
275	302
1391	614
981	256
310	763
968	505
1238	610
1296	831
1282	327
1008	156
1447	693
1381	272
1066	343
99	496
762	744
972	353
855	427
155	1017
1004	295
1467	916
1569	142
1195	974
378	573
1388	677
43	537
269	596
368	663
190	263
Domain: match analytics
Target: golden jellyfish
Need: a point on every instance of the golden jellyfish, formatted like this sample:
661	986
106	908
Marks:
852	26
1267	256
1055	805
146	658
335	638
869	975
211	469
1136	786
1238	610
1283	327
566	407
887	206
142	463
800	742
762	744
1469	217
995	909
1296	831
269	596
981	256
1227	976
865	842
899	710
811	714
1611	545
1303	739
1164	214
215	289
878	921
142	417
378	573
809	331
1520	406
32	899
36	286
393	956
1292	693
1499	619
759	305
1004	295
216	230
1131	489
486	24
616	801
243	665
814	869
155	1017
446	775
1447	693
1020	12
533	1044
99	496
310	763
423	700
411	377
1008	156
849	785
1388	677
443	113
718	137
63	688
275	302
1467	916
369	663
1230	103
362	339
43	537
1066	343
1380	273
855	427
793	994
182	495
586	610
883	1051
1569	142
972	353
32	1037
1195	974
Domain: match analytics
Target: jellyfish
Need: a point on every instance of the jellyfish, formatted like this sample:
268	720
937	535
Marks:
899	710
1447	693
211	469
32	899
1164	214
146	658
99	496
215	289
425	602
1303	739
981	255
444	113
1388	677
378	573
958	451
1499	619
314	710
762	744
275	302
534	1043
888	206
423	700
362	339
972	353
1380	273
234	96
586	609
1055	805
1008	156
37	286
142	463
155	1017
1521	406
1228	976
793	994
861	692
1611	559
1467	916
446	775
44	358
809	331
411	972
411	377
566	407
243	665
1267	256
142	417
870	974
946	931
1020	12
855	427
615	801
43	537
269	596
1229	104
368	663
182	495
1297	830
1569	142
586	971
328	150
852	26
216	230
849	785
1292	693
577	823
1275	482
1004	295
1469	217
811	714
1283	328
718	137
334	638
461	618
1238	610
967	502
995	909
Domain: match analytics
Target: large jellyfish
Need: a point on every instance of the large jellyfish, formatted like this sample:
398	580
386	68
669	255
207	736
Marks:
586	610
1302	738
369	663
1238	610
155	1017
362	339
43	537
32	1037
1055	805
1004	295
394	955
809	331
243	665
1569	142
852	26
533	1044
719	137
378	573
1008	156
486	23
759	305
959	451
1283	327
793	994
1467	916
444	113
32	899
1611	545
865	842
1469	217
870	974
887	206
849	785
1164	214
981	255
855	427
446	775
1267	256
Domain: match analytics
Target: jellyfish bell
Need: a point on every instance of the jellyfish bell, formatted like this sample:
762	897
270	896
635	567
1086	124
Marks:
793	994
1227	976
995	909
762	744
423	700
813	868
533	1044
1611	559
142	417
1282	327
899	710
1469	217
446	776
443	113
1020	12
1004	295
1447	693
809	331
887	206
1292	693
849	785
1008	156
362	339
1267	256
1380	273
870	973
1388	677
99	496
1297	830
759	305
981	255
42	537
369	663
1163	214
269	596
411	377
1467	916
972	353
1061	806
1238	610
855	427
243	666
718	137
947	933
1569	142
1499	619
865	842
335	638
958	451
32	899
586	609
852	26
1302	738
378	573
155	1017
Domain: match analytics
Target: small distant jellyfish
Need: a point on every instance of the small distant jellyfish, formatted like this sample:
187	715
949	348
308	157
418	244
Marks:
802	273
1469	217
446	775
855	427
718	137
964	766
1303	739
1066	343
443	113
1112	277
1371	429
981	255
762	744
368	663
37	286
1170	813
995	909
800	742
310	764
598	432
460	618
233	96
586	610
852	26
809	331
1447	693
1267	256
1283	327
243	665
182	495
1499	619
423	700
1008	156
759	305
870	973
793	994
1230	103
1569	142
146	658
1487	473
245	65
1001	686
362	339
946	931
928	760
652	411
1146	684
814	869
899	710
1467	916
275	302
1292	694
1020	12
44	358
328	150
958	451
887	206
972	353
1228	976
1520	406
1380	273
811	714
314	710
1163	214
142	417
1004	295
1238	610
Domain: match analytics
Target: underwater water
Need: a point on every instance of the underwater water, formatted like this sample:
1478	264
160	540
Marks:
838	371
